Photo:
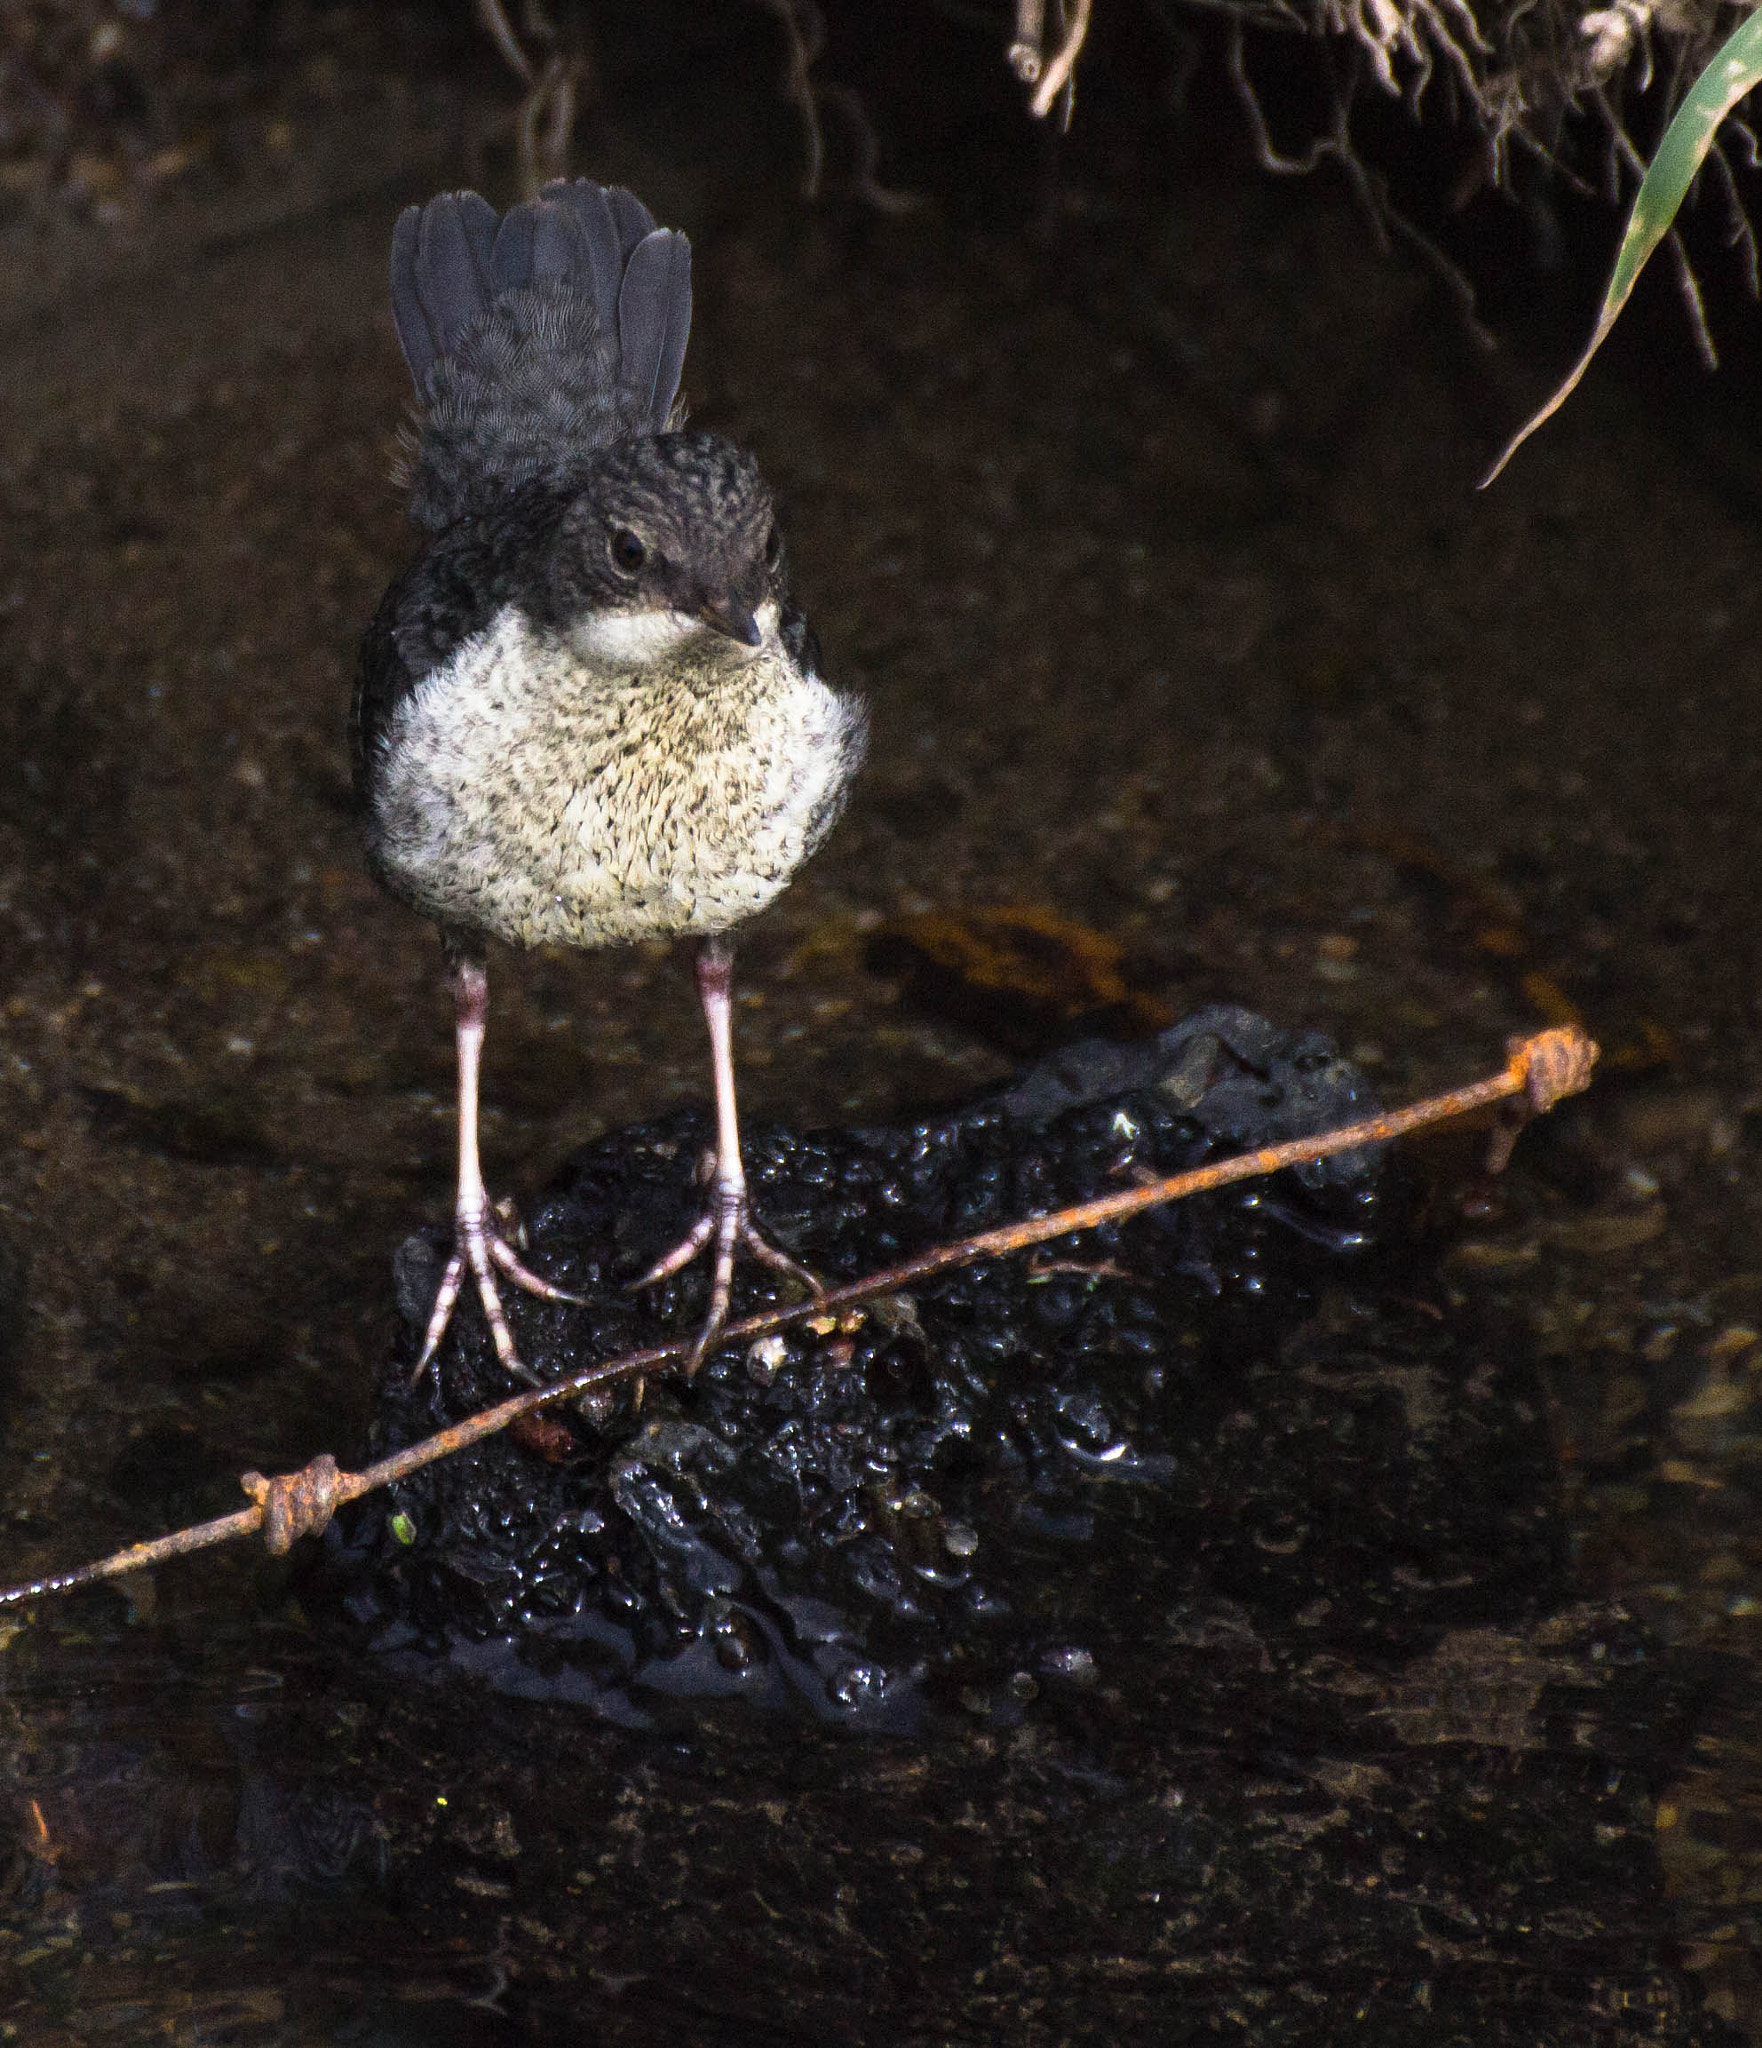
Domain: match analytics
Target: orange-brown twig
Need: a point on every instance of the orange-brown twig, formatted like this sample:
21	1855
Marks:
1539	1071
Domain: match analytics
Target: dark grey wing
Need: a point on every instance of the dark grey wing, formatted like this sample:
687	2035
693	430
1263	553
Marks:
534	341
798	637
382	681
448	595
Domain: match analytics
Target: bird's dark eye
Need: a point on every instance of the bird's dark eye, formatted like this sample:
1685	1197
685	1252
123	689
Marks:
773	548
628	552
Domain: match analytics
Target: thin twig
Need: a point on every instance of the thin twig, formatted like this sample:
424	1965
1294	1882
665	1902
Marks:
1383	218
1057	74
1740	231
1454	281
546	119
804	32
805	36
1689	285
1539	1071
562	122
546	122
1027	51
494	24
864	184
1259	133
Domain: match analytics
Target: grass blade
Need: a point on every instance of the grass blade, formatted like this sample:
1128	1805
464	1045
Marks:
1734	69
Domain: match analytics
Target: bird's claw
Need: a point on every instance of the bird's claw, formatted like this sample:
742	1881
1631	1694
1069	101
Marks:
728	1224
480	1245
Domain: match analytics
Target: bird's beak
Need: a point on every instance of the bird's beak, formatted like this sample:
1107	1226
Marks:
728	615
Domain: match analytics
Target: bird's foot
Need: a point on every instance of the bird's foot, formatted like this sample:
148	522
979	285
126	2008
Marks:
482	1243
726	1225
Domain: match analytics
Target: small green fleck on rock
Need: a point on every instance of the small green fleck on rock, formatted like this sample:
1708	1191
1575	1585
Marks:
403	1529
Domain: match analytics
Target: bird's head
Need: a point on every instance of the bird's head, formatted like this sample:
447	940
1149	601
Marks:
674	534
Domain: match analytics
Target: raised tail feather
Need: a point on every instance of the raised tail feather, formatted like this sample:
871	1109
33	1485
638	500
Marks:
536	339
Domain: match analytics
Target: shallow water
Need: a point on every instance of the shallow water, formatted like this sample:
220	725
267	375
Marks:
1157	553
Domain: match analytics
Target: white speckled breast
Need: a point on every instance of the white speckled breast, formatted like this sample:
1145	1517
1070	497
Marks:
538	794
541	795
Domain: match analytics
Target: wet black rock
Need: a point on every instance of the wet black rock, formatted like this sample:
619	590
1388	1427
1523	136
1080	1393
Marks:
1239	1412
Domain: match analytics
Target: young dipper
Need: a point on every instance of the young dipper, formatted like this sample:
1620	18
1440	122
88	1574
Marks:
588	712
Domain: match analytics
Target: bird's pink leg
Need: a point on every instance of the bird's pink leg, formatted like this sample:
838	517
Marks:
477	1244
727	1222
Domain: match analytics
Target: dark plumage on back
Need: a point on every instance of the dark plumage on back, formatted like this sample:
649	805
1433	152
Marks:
453	589
534	340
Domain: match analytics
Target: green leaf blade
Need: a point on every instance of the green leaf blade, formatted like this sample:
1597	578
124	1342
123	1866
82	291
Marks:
1734	70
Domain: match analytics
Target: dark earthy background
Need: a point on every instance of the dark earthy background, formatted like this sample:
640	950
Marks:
1137	491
